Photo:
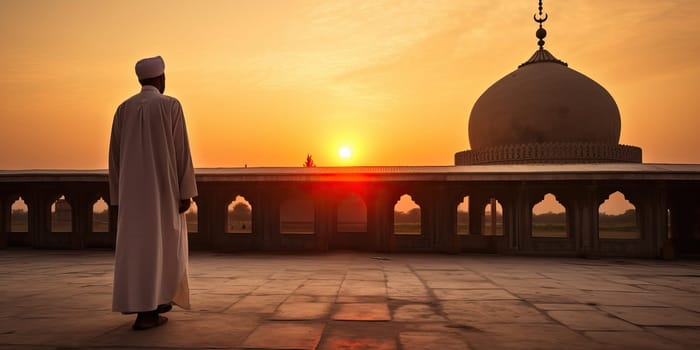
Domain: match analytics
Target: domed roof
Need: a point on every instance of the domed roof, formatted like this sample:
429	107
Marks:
545	112
544	101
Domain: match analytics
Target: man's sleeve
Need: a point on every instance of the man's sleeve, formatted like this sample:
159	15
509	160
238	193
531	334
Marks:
114	146
185	170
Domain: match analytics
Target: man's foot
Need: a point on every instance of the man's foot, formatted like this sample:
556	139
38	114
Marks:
163	308
148	320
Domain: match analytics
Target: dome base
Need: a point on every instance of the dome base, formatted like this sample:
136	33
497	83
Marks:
551	153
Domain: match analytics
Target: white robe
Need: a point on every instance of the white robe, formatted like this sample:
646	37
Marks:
150	171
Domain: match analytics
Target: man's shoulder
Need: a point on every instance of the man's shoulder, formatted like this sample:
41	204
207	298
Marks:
171	99
168	100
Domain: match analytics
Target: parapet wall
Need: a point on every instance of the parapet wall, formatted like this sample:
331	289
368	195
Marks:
553	153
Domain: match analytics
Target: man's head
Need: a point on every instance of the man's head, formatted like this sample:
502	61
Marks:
151	71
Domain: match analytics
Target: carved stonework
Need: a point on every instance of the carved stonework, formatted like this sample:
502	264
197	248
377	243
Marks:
553	153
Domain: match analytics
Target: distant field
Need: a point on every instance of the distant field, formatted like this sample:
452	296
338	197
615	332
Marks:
100	225
487	229
549	230
463	229
61	226
19	226
618	232
407	229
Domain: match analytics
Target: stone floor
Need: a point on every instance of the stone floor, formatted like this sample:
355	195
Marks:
58	299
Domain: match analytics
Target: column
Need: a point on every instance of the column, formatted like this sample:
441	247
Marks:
445	220
5	213
587	212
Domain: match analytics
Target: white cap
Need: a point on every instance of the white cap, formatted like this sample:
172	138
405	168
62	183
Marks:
150	67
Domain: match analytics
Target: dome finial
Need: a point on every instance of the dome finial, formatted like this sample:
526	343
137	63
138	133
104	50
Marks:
541	55
541	32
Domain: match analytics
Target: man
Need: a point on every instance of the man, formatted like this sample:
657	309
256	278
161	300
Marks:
151	180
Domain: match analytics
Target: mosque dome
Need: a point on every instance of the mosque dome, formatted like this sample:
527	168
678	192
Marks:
544	101
545	112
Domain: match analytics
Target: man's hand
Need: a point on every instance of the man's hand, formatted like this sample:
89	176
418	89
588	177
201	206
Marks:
184	205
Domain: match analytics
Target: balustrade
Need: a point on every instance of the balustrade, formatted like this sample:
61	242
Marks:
287	212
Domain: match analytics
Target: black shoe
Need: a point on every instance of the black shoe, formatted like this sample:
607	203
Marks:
163	308
148	320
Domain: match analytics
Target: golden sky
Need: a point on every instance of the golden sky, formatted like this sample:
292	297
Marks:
265	82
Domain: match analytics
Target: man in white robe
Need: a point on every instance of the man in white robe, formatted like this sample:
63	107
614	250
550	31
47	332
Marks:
152	181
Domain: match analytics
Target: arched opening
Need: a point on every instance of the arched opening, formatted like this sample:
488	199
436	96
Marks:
407	216
239	216
192	217
61	216
100	216
549	218
463	217
297	216
19	216
617	218
492	222
352	214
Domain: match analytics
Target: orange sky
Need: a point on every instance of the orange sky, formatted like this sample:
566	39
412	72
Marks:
265	82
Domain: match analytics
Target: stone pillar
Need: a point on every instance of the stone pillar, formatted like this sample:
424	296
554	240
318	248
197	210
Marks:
646	202
445	220
476	214
428	235
263	217
212	203
651	205
512	205
520	235
685	222
373	221
271	202
384	210
210	219
36	218
587	220
325	218
659	206
81	218
5	213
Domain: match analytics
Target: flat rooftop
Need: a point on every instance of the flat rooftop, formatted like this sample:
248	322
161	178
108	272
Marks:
345	300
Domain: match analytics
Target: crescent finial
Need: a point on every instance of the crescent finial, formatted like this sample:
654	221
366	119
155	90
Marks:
541	32
540	20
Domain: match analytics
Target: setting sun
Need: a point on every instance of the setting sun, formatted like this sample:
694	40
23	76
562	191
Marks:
345	152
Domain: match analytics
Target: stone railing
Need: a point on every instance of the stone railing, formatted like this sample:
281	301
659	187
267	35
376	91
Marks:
317	209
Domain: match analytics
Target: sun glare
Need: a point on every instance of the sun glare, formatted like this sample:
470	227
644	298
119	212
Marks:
345	152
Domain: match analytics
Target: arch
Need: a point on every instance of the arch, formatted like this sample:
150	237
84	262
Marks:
352	214
617	218
192	218
100	216
492	222
61	215
19	216
239	216
297	216
549	218
407	216
463	217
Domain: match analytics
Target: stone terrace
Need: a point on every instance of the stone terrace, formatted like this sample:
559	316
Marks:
61	299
